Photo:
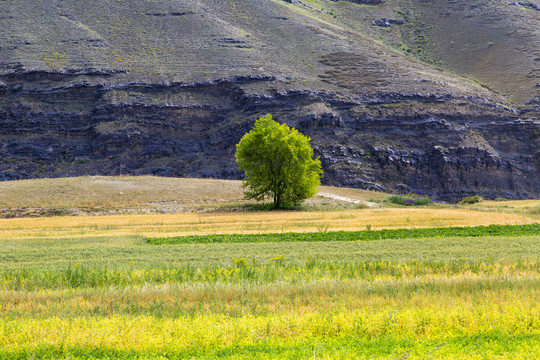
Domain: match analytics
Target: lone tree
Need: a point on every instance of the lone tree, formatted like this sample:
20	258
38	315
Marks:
277	161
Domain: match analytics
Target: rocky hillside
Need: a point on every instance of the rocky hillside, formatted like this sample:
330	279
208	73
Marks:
436	97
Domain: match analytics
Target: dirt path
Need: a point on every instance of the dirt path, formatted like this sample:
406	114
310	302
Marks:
348	199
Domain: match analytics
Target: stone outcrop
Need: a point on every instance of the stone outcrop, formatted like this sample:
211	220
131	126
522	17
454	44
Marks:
387	22
364	2
528	5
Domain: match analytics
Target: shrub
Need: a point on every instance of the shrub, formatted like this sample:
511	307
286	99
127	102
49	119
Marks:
395	199
422	201
408	200
500	199
471	200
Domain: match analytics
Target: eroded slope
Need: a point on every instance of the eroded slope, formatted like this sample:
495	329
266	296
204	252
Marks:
169	87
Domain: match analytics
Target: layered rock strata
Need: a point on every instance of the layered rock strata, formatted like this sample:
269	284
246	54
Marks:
446	146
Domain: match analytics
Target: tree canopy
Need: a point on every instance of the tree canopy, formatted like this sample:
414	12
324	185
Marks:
277	162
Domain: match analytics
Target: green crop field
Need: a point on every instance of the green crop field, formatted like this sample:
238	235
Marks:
463	231
119	297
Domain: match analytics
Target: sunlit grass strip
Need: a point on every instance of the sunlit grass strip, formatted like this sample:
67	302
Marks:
491	345
491	230
78	277
490	327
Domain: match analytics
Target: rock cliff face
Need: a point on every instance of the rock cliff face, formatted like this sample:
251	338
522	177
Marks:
377	119
442	145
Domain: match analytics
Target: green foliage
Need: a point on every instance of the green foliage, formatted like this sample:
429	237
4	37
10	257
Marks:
474	231
471	200
500	199
408	200
277	161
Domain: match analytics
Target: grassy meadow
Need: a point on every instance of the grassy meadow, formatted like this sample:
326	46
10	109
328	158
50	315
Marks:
93	287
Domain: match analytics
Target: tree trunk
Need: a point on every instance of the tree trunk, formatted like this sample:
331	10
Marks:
277	200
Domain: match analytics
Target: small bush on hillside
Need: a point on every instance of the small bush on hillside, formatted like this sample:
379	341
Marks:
408	200
500	199
471	200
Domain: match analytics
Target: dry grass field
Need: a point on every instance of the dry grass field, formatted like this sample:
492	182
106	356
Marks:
140	194
102	193
248	222
519	204
530	208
